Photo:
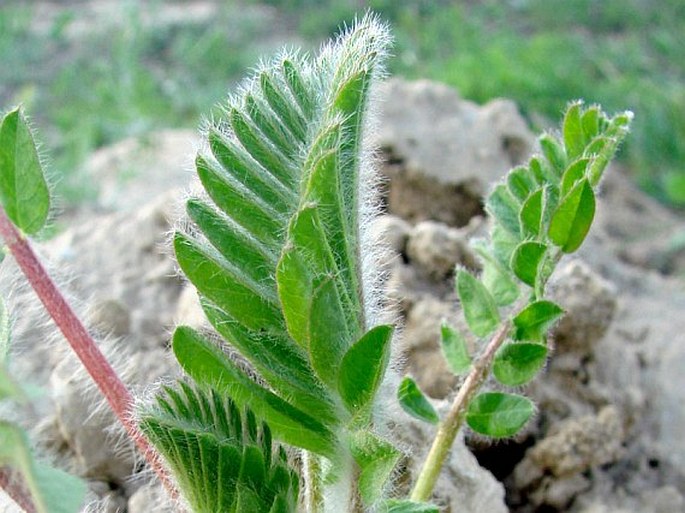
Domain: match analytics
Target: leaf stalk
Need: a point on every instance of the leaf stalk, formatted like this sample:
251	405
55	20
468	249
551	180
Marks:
450	425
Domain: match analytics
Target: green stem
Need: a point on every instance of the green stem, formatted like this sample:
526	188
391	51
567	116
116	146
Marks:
450	425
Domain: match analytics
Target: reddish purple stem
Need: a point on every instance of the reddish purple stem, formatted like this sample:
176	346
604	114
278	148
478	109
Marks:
111	386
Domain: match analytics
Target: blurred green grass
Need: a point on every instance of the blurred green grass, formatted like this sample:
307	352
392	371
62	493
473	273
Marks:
132	77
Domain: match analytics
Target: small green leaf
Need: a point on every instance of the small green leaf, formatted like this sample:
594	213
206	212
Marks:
479	306
516	364
499	415
415	403
574	139
590	122
574	173
363	367
503	244
295	290
572	220
554	153
376	459
530	215
496	278
406	506
520	182
328	335
534	320
502	205
454	349
526	260
52	490
23	190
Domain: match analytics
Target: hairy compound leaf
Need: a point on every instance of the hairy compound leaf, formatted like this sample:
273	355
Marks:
572	220
533	322
604	147
454	349
499	415
516	364
415	403
363	367
209	366
376	459
502	205
573	133
282	364
221	457
480	310
298	88
23	190
52	490
406	506
526	260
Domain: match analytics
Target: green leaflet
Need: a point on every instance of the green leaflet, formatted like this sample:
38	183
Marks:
376	459
415	403
209	366
573	132
480	309
520	182
454	349
247	302
24	192
530	215
533	322
52	490
574	173
363	367
516	364
572	220
499	415
526	260
496	277
555	154
504	207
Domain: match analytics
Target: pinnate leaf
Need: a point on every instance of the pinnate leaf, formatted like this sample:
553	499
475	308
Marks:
516	364
415	403
480	310
454	349
571	221
532	323
498	414
24	192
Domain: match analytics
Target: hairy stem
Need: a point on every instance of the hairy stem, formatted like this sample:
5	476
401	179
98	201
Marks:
450	425
111	386
14	487
313	492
